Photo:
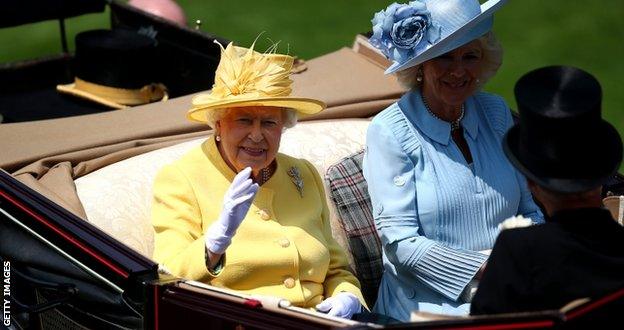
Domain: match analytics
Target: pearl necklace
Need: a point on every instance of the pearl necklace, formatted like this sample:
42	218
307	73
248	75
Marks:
454	123
265	174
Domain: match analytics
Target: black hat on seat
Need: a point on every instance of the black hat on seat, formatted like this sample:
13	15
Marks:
116	68
561	142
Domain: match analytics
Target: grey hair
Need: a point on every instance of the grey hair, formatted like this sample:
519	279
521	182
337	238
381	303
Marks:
491	62
289	115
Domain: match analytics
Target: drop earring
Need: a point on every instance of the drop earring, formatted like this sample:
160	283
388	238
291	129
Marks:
419	74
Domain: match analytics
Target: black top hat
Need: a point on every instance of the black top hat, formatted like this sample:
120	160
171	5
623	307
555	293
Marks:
115	68
561	141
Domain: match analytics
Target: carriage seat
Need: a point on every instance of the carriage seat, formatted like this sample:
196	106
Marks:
117	198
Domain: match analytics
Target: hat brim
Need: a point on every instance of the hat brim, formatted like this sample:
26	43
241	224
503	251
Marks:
475	28
72	90
304	106
610	155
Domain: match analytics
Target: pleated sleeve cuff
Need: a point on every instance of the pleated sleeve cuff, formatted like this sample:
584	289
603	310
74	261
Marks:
449	270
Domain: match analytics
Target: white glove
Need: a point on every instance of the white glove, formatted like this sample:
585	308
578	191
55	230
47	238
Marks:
236	203
344	305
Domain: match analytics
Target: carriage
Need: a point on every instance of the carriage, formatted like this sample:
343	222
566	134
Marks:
75	233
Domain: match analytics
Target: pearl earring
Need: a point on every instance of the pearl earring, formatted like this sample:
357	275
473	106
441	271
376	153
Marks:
218	138
419	74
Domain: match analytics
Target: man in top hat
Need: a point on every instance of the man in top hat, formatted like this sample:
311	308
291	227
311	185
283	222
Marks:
567	152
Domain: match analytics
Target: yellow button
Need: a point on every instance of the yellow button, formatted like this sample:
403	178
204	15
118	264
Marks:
289	282
264	215
284	242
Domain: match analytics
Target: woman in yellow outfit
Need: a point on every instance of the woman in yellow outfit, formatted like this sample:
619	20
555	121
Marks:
237	214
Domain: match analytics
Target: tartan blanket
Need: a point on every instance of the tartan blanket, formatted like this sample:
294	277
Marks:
349	193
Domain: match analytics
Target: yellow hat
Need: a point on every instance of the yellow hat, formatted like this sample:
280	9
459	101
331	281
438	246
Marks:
245	78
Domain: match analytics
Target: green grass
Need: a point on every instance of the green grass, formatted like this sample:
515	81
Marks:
534	33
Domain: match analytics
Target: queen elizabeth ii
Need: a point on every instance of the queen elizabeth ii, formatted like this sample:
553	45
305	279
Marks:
235	213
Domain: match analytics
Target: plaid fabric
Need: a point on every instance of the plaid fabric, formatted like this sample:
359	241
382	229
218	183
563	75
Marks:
349	193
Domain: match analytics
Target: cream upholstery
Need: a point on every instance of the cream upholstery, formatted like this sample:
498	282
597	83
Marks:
117	198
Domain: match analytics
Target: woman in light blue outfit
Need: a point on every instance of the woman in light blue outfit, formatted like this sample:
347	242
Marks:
438	178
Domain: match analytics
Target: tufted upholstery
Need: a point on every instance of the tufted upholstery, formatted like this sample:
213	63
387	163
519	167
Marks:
117	198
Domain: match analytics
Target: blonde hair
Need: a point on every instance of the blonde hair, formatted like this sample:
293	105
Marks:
289	115
491	61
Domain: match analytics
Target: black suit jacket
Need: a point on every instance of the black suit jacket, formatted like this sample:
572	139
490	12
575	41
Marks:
575	254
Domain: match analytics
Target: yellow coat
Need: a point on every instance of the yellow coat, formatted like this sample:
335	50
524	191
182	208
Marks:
284	246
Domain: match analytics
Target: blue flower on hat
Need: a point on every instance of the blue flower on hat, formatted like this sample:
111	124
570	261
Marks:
402	28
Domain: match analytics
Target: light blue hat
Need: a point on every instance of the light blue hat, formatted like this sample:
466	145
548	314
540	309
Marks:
410	34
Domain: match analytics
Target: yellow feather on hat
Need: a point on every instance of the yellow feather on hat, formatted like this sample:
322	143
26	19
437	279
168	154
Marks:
246	77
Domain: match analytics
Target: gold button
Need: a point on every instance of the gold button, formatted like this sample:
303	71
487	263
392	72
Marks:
289	282
264	215
284	242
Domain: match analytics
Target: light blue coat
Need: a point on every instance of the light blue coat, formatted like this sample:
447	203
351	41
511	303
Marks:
432	210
